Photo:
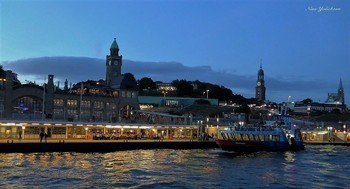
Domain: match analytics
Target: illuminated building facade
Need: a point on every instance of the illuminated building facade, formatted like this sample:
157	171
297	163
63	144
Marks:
109	100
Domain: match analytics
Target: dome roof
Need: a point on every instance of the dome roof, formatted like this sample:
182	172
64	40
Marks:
114	45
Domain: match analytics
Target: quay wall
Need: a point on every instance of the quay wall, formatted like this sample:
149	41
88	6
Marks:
326	143
101	147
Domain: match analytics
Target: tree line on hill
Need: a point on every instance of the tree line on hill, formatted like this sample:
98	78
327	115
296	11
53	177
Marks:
193	89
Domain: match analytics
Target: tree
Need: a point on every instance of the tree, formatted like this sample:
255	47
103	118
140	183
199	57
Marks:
239	99
307	101
2	72
146	83
184	88
130	77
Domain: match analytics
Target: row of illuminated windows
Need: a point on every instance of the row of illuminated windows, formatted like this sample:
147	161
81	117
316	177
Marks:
60	113
250	137
129	94
125	94
85	104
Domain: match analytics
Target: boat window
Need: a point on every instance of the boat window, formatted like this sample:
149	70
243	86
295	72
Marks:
223	136
275	137
251	137
258	138
228	136
238	136
248	137
254	137
242	136
266	137
245	137
233	136
261	137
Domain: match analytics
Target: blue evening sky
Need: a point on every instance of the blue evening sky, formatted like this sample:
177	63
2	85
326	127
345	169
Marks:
295	40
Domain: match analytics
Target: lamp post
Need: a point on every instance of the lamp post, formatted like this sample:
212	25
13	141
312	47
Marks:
207	130
198	130
22	132
345	135
329	133
201	129
86	132
164	92
207	93
217	127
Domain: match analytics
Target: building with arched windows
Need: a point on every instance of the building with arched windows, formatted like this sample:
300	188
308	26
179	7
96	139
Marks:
108	100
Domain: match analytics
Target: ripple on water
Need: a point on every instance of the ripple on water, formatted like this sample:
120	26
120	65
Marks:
316	167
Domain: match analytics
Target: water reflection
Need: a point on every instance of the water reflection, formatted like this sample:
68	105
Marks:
317	167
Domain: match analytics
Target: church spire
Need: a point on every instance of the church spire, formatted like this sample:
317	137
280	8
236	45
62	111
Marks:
340	85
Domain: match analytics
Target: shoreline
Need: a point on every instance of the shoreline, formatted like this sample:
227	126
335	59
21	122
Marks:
327	143
105	146
99	146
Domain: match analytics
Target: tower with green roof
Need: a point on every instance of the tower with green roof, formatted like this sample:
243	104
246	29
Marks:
113	63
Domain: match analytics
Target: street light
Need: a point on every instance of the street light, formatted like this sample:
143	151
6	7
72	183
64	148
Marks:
217	127
207	93
345	136
164	92
200	129
22	132
329	133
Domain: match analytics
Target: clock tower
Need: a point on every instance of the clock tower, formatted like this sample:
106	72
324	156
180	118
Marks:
113	63
260	86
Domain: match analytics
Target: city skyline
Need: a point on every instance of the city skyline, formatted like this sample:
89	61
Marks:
303	51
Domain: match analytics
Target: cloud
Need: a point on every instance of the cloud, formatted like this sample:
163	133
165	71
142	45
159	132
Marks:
76	69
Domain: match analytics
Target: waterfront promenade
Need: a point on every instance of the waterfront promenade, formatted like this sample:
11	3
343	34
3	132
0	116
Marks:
327	143
102	146
86	146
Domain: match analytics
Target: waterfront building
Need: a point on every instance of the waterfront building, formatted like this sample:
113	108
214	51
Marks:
335	101
108	100
300	108
85	110
260	88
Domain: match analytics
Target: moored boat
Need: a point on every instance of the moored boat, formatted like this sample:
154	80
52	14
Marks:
260	138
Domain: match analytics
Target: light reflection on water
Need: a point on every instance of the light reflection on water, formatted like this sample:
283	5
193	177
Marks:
316	167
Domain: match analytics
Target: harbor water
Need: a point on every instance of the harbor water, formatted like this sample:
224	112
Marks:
323	166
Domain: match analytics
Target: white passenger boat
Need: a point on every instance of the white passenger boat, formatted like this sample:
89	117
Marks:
260	138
